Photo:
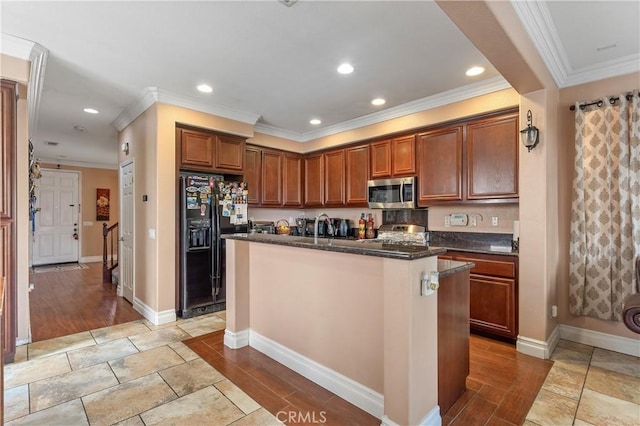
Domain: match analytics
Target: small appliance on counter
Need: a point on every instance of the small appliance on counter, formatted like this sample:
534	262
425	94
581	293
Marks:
262	227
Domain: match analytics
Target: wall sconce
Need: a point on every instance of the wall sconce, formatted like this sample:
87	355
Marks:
530	135
125	148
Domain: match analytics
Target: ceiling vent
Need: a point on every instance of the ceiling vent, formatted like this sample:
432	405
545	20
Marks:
50	143
288	3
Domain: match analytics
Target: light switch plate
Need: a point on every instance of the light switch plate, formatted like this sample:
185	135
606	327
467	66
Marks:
494	220
447	221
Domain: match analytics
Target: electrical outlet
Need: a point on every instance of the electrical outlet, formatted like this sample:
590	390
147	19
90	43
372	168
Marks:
494	220
473	220
554	311
447	220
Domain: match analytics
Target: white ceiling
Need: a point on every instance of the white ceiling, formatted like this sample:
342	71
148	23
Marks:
277	64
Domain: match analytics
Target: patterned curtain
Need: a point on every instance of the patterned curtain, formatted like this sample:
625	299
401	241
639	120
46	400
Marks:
605	219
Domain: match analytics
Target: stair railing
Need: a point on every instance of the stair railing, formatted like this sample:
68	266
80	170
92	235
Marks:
109	245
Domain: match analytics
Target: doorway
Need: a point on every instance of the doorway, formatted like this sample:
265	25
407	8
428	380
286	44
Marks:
56	230
126	262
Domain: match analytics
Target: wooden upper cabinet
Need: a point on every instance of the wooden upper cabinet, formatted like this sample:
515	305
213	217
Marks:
272	178
252	173
440	165
492	158
196	150
229	153
393	157
356	175
293	176
403	155
381	159
313	180
334	178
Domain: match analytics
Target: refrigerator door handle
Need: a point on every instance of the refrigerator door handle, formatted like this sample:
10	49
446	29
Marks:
217	246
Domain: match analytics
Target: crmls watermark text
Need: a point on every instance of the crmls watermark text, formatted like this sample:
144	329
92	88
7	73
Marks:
302	417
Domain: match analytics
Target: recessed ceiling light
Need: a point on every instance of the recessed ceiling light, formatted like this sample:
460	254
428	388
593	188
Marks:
474	71
91	110
378	101
204	88
345	68
315	121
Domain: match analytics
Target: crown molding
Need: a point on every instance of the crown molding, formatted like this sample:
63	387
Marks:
38	58
148	97
278	132
15	46
87	164
536	19
445	98
151	95
613	68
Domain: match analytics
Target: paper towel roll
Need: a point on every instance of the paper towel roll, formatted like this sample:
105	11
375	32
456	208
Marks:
516	230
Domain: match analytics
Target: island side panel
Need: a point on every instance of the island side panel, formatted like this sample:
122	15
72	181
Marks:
325	306
237	280
410	343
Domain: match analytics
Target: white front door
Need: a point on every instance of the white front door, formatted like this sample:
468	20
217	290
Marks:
56	234
126	260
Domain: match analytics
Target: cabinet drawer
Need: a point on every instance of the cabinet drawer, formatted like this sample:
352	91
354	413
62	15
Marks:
496	268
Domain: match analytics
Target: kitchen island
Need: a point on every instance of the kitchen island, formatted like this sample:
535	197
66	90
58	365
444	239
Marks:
348	315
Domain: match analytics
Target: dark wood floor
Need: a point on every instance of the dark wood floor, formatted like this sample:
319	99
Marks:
68	302
501	386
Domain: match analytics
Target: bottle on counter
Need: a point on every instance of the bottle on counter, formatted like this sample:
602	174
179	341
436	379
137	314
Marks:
362	224
371	232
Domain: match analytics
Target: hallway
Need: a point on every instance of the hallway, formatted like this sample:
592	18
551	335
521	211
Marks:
69	302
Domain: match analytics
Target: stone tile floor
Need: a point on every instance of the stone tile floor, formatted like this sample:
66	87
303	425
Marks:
588	386
129	374
141	374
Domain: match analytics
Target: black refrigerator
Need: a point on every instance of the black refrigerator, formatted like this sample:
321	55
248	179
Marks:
210	206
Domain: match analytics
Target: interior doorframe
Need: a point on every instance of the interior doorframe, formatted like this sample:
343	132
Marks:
79	211
124	164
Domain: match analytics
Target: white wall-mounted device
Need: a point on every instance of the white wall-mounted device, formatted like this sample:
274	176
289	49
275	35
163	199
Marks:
459	219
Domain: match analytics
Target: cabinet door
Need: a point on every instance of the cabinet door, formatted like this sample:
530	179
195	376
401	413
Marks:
440	165
271	178
229	153
313	181
334	178
492	305
252	173
357	175
381	159
196	149
292	180
492	158
403	156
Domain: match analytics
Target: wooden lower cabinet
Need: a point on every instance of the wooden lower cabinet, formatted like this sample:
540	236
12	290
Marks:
493	294
453	338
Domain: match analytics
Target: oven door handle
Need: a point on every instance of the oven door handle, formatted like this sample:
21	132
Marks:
402	192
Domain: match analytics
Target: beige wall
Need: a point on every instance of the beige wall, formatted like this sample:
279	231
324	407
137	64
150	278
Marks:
141	135
18	70
566	132
91	179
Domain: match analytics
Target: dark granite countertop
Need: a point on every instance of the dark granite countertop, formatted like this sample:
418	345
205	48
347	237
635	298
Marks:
360	247
449	267
473	242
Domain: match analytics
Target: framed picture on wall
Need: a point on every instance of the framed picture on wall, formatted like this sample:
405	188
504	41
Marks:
102	204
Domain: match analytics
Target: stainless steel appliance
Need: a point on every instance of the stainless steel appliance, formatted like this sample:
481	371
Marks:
398	193
209	207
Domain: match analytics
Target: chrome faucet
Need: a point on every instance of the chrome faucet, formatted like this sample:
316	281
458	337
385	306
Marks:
329	227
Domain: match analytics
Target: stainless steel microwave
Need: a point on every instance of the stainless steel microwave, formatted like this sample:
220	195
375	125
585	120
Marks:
398	193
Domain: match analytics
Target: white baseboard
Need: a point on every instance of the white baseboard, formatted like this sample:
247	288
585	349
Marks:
432	418
611	342
538	348
156	318
386	421
20	342
235	340
367	399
